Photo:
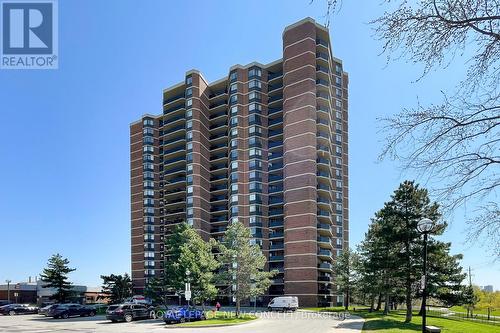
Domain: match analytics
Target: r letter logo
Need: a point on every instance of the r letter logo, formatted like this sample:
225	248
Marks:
29	35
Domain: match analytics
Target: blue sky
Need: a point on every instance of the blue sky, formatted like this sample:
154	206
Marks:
65	133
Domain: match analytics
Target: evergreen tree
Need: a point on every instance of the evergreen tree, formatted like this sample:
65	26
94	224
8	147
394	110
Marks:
345	270
242	265
56	276
117	287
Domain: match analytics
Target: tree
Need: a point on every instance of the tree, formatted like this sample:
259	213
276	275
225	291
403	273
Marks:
186	251
197	257
346	276
117	287
243	265
454	143
56	276
489	300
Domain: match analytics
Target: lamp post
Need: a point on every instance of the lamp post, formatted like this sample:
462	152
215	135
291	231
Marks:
424	226
188	287
8	290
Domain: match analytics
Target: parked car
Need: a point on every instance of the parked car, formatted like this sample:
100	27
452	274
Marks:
70	310
14	309
45	310
127	312
284	303
183	314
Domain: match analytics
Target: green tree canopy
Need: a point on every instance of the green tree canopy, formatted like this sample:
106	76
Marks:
55	275
117	287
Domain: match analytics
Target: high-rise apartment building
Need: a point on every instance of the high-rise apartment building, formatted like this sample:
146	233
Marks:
267	146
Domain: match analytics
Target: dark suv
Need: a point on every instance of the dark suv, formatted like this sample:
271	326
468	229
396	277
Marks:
70	310
127	312
13	309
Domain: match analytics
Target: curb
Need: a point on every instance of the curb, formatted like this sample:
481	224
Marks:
214	325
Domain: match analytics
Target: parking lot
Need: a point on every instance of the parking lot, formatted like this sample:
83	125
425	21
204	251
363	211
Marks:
268	322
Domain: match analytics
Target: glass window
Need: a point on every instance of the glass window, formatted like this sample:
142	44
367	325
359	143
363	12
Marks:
233	87
189	124
253	96
234	110
189	92
189	102
234	121
189	113
234	188
148	122
234	143
254	107
233	76
234	198
254	72
148	149
233	99
189	80
234	165
148	131
254	84
189	189
338	137
234	132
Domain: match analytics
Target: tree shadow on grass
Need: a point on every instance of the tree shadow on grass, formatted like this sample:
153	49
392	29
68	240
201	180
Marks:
388	323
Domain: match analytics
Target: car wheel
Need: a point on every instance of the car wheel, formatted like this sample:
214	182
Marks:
12	312
92	313
203	317
128	318
65	316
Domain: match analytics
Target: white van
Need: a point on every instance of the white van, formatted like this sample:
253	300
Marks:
284	303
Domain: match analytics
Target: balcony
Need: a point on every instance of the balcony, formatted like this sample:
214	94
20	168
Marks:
173	98
274	99
272	76
271	87
275	132
321	42
324	253
278	234
277	177
173	109
278	246
218	188
217	104
275	121
323	213
273	144
276	224
322	55
218	229
324	278
217	114
271	111
276	258
275	211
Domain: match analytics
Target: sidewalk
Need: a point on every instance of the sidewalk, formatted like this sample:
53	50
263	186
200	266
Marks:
353	324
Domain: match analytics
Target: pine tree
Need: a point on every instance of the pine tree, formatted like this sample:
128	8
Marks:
56	276
345	270
117	287
242	265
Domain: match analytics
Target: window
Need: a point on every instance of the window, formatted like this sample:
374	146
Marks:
234	198
338	126
338	104
339	183
190	221
189	124
148	131
189	212
189	157
255	187
338	150
254	119
234	165
338	68
149	202
189	80
338	81
234	132
234	220
254	72
255	165
233	76
149	193
149	210
148	175
148	149
148	166
233	87
254	107
254	84
255	152
234	177
189	135
189	113
338	92
338	160
234	210
189	102
233	99
338	115
339	206
189	146
234	110
148	158
234	155
234	121
338	137
189	189
148	122
189	201
234	143
255	129
254	96
234	188
189	168
189	179
189	92
148	140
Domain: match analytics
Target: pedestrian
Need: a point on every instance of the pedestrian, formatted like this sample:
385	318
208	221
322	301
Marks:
217	306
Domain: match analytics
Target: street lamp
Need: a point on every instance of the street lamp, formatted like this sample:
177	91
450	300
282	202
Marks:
188	287
424	226
8	290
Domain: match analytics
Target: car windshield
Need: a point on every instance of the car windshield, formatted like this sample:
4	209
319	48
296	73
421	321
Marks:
113	307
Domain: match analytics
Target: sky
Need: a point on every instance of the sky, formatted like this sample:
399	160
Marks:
64	134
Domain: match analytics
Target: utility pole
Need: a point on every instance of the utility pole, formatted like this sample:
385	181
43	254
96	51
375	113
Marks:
8	290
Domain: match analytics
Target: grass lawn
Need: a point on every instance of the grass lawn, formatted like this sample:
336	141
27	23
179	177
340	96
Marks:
220	318
376	322
495	312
